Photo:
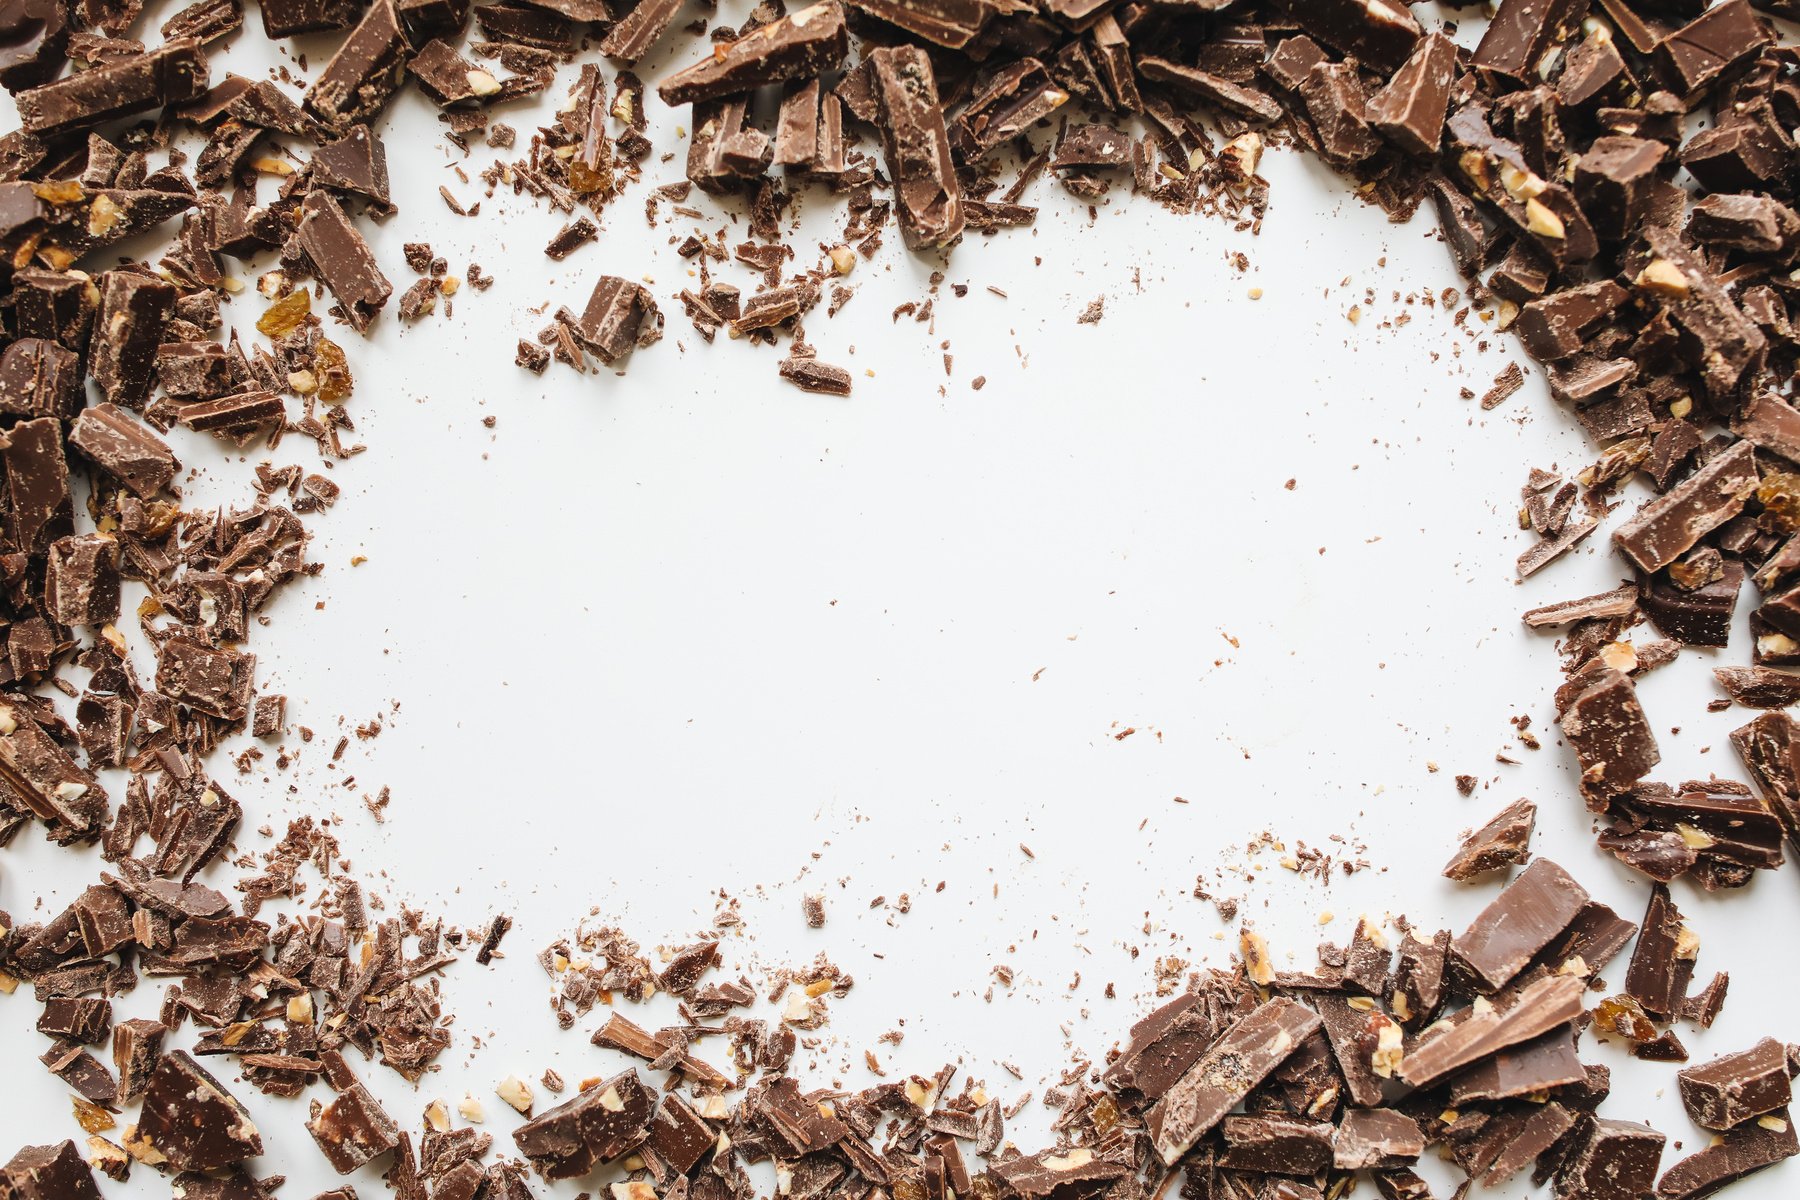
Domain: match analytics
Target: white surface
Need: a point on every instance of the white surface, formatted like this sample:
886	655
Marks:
687	631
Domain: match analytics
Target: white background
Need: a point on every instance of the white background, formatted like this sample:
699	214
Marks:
686	631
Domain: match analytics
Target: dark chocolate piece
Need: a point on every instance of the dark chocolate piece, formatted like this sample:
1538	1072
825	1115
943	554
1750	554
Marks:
285	18
1615	1160
1376	1139
133	311
1744	1151
1236	1063
343	259
353	1129
114	441
928	198
797	46
1729	1090
363	75
192	1121
81	581
1540	1007
39	509
1663	962
171	74
136	1049
1715	43
1610	734
1502	842
1671	524
1513	47
597	1126
1522	920
48	1173
639	30
620	315
811	375
1381	33
1275	1145
1409	109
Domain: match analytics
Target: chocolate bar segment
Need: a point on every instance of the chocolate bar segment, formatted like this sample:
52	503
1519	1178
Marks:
365	72
343	260
1611	736
1522	920
619	315
1670	525
1663	961
597	1126
1734	1088
797	46
129	452
927	195
1541	1006
353	1129
1226	1073
1409	109
192	1121
173	73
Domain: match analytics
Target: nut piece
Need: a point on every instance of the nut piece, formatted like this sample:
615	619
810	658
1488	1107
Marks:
516	1092
1663	278
470	1109
1541	221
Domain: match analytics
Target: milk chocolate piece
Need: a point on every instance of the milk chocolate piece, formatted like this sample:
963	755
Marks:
810	375
1663	962
1555	327
678	1135
952	24
571	237
48	1173
285	18
136	1049
1521	921
39	508
1237	99
1163	1045
356	162
1615	1160
36	775
1353	1033
1376	1139
1381	33
1668	526
171	74
599	1125
39	378
111	439
1611	736
343	259
84	1021
1539	1133
1236	1063
1715	43
1718	340
1409	109
1335	100
133	311
363	75
1502	842
33	37
1543	1005
1614	181
213	680
1744	1151
81	581
639	30
1520	35
1275	1145
1527	1069
353	1129
192	1121
1619	602
927	196
1759	225
1729	1090
1770	750
798	46
1048	1175
1419	977
619	315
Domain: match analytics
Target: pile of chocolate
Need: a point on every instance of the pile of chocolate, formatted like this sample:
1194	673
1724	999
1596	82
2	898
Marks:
1616	182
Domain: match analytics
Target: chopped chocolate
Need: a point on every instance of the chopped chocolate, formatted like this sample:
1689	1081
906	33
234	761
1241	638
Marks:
639	30
48	1173
1409	109
797	46
192	1121
130	453
171	74
133	311
599	1125
1522	920
1376	1139
1613	1160
1734	1088
1663	962
620	315
811	375
1502	842
353	1129
572	237
1541	1006
1744	1151
1611	736
366	71
1226	1073
927	196
343	259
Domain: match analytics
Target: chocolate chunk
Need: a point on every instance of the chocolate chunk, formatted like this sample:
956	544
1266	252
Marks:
1354	1034
136	1050
84	1021
1543	1005
1668	526
285	18
363	75
1611	736
1663	962
353	1129
1502	842
639	30
1376	1139
1614	1160
171	74
811	375
1593	939
111	439
1744	1151
1238	99
927	196
81	581
1619	602
1528	1069
1729	1090
1275	1145
1335	100
343	259
48	1173
1521	921
1717	339
1715	43
1381	33
1760	225
798	46
1419	977
39	378
39	508
1236	1063
214	680
1555	327
572	237
597	1126
356	162
133	311
1698	616
192	1121
1409	109
1163	1046
952	24
34	35
1614	182
678	1135
1536	1136
1520	35
620	315
1048	1175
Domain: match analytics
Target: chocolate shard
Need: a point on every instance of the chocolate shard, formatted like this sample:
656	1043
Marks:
679	1136
810	375
1381	33
1611	736
39	378
356	162
1541	1006
1275	1145
48	1173
1522	920
1716	339
1744	1151
1338	105
797	46
1717	42
1615	181
364	74
192	1121
1670	525
952	24
353	1129
134	309
1522	32
1613	1160
81	580
1536	1137
599	1125
136	1049
928	197
39	509
1663	961
114	441
1528	1069
1734	1088
620	315
1236	1063
639	30
1376	1139
1620	602
173	73
34	35
1162	1047
1504	841
343	260
1048	1175
1409	109
285	18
